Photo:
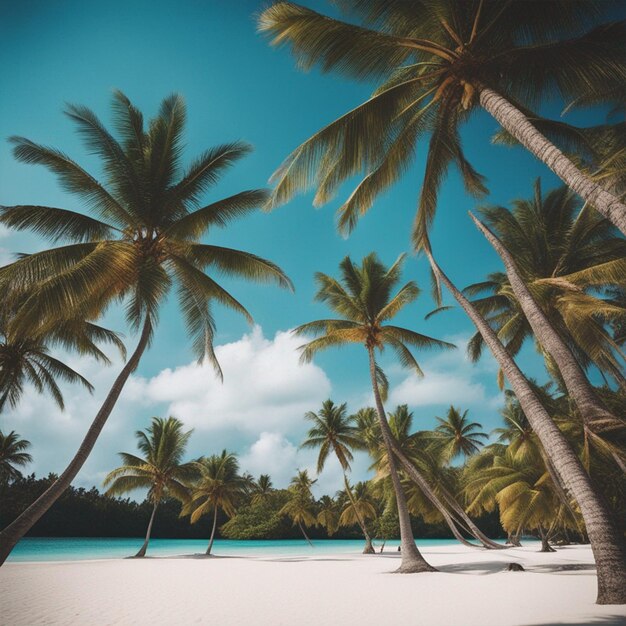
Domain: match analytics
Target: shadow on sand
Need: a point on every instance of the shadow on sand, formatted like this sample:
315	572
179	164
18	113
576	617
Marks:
600	620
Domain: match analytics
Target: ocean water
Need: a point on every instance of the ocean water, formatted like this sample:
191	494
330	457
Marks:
88	548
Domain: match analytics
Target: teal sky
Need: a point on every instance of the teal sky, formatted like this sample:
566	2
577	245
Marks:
237	87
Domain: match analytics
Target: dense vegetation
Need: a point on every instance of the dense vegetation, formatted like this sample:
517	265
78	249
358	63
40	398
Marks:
89	513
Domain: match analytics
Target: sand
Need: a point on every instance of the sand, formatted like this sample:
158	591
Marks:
470	590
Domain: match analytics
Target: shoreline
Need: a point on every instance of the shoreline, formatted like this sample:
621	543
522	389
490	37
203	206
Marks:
471	589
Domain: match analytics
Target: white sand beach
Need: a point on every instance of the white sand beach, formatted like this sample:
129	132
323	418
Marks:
470	590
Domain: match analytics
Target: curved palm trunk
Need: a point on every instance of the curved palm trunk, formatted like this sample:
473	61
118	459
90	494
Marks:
144	548
212	538
24	522
472	528
412	560
573	376
305	535
516	123
368	549
606	542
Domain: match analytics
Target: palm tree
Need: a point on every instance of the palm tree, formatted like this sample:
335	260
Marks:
262	489
524	493
300	506
514	50
160	470
334	431
12	455
25	357
219	487
429	477
327	515
145	237
436	63
456	436
365	301
360	506
551	236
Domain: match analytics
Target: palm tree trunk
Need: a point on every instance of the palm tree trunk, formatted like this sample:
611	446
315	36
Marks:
26	520
545	546
212	538
516	123
305	535
144	548
606	542
412	560
368	549
573	376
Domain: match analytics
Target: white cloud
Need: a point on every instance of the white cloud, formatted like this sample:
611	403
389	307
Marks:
265	390
449	378
265	387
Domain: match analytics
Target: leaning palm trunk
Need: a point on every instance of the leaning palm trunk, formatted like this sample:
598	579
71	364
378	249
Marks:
212	538
518	125
606	542
144	547
24	522
456	514
368	549
305	535
412	560
573	376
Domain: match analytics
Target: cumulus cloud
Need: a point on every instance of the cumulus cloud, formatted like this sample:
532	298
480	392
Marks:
265	387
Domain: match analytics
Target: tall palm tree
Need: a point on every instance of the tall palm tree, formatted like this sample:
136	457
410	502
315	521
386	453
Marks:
551	236
364	299
429	477
300	506
435	64
144	237
160	470
25	357
13	455
430	88
457	436
219	486
333	431
553	343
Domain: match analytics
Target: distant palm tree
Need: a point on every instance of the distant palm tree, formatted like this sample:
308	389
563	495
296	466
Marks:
219	486
365	300
25	357
300	506
360	506
144	239
327	515
334	432
457	436
160	470
262	489
13	455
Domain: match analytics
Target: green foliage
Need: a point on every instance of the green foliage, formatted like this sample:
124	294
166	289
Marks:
13	455
429	61
144	235
565	253
161	470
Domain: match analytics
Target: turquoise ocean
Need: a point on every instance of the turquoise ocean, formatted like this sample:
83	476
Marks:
88	548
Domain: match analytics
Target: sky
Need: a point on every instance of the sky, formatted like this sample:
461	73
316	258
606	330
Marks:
237	87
